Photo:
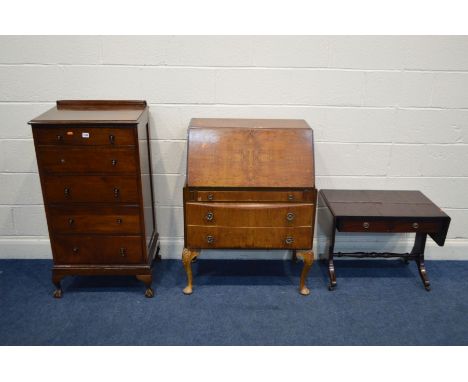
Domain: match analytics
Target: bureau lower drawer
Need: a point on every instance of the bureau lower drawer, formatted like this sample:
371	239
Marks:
262	237
250	214
65	189
84	136
96	219
364	225
307	195
87	160
77	249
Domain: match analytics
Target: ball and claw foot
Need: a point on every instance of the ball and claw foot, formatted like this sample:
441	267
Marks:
58	293
304	291
188	290
149	293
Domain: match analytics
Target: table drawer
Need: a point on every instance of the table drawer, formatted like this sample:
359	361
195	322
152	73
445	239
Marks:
78	249
363	225
96	219
84	136
235	237
250	214
252	196
86	160
84	188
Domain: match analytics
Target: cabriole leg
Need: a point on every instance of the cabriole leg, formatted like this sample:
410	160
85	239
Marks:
147	280
187	257
308	257
56	280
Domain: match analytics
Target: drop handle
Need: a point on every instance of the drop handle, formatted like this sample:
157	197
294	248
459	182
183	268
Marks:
123	252
209	216
365	225
114	162
290	216
119	221
210	197
116	192
415	225
66	192
75	250
71	221
210	239
290	197
289	240
59	138
112	139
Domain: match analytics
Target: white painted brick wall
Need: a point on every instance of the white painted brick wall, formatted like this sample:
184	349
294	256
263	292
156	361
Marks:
388	112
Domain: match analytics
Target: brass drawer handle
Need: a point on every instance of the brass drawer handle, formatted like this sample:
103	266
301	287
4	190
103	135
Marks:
66	192
111	139
119	221
71	221
116	192
290	197
123	252
75	250
209	216
290	216
366	225
415	225
114	162
210	239
62	160
210	197
289	240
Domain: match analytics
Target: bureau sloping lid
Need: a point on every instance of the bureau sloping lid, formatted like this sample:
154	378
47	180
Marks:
250	153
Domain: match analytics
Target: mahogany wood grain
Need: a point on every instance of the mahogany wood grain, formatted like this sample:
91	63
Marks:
92	249
250	214
88	135
112	219
90	189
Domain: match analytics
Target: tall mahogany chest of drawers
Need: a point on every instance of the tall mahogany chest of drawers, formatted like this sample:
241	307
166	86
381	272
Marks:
95	171
250	185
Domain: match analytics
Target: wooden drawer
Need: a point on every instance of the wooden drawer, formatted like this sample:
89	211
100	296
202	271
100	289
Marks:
78	249
76	160
96	219
250	214
235	237
252	196
382	225
84	136
65	189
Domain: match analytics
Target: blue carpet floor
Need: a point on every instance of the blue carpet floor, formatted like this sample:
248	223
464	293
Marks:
238	303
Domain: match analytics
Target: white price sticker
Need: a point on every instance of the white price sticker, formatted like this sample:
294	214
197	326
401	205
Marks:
84	135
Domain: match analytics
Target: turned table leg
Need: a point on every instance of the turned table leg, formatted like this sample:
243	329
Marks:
56	280
147	280
331	265
418	250
308	257
187	257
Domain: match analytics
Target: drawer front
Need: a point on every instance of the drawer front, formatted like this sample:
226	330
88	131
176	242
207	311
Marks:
250	214
76	249
96	219
362	225
85	136
105	189
252	196
73	160
264	237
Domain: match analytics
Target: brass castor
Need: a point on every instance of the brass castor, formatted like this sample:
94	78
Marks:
304	291
149	293
187	290
58	293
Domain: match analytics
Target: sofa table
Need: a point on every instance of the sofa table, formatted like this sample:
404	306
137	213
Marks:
385	211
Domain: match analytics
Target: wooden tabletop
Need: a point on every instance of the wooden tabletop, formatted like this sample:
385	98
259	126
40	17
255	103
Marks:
380	203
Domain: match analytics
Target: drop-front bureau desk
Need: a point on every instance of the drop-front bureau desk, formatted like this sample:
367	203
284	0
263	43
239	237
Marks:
250	185
93	159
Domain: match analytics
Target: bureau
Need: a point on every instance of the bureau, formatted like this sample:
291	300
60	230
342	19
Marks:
95	172
250	185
